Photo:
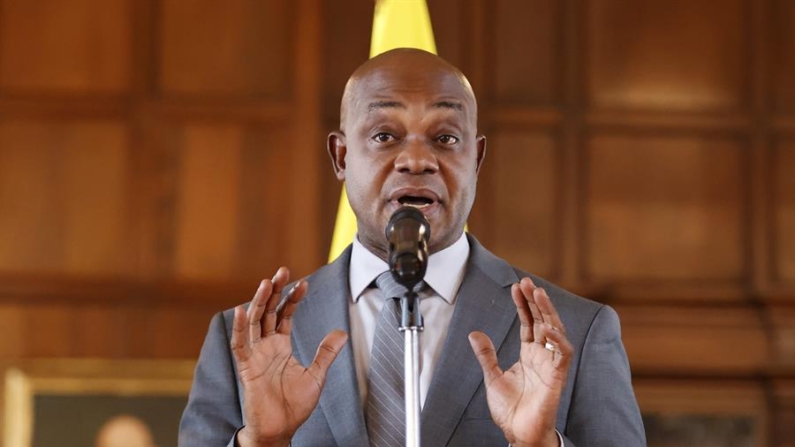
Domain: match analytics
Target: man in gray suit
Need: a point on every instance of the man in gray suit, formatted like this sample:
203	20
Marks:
508	358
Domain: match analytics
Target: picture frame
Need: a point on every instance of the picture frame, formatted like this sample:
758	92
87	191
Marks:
68	402
703	412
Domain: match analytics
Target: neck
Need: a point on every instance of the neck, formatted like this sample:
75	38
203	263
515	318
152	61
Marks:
381	250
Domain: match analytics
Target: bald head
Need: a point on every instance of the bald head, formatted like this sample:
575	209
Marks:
407	69
408	135
124	431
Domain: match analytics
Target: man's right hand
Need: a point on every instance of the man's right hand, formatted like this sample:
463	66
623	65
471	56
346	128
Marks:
279	394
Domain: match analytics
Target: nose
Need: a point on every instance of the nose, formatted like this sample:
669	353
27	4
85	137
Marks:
416	157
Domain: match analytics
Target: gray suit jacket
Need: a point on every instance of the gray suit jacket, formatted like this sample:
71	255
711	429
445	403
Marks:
597	407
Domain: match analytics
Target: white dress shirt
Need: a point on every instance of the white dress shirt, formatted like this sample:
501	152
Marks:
444	276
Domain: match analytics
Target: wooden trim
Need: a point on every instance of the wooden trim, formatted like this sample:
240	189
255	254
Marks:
74	107
305	189
120	292
502	116
699	122
571	180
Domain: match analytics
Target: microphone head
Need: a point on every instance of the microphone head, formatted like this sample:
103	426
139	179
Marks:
408	233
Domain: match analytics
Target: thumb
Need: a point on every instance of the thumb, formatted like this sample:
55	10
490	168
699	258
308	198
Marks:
486	355
328	350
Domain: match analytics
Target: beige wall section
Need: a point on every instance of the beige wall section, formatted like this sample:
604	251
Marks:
158	158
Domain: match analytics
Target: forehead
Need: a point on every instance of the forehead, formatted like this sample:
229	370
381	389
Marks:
400	87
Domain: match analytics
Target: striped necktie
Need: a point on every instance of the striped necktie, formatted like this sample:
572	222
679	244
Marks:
386	414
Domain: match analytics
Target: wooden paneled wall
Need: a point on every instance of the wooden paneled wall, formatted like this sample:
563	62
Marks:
158	158
151	152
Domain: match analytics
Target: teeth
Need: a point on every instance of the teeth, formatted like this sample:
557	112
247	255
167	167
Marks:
416	202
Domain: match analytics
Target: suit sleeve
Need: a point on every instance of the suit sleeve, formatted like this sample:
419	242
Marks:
603	410
213	414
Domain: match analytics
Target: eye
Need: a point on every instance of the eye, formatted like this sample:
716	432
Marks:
447	139
383	137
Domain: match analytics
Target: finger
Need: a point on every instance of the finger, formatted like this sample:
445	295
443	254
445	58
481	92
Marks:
547	309
241	349
327	351
270	319
527	287
486	355
563	352
287	308
256	309
523	311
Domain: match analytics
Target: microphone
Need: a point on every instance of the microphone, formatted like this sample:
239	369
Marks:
408	232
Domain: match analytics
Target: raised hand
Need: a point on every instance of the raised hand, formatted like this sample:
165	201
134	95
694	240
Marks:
523	400
279	394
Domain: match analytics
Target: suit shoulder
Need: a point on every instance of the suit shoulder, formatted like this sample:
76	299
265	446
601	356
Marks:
569	305
331	273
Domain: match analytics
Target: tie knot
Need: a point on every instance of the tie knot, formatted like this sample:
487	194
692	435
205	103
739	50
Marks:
393	289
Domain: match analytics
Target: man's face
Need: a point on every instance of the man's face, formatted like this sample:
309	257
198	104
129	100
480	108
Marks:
409	138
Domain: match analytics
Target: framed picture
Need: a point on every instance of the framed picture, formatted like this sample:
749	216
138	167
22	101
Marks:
703	413
92	402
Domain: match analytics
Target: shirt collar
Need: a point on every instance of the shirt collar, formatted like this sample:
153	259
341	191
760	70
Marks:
444	274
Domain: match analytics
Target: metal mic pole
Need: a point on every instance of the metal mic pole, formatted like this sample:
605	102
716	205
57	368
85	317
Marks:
408	233
411	326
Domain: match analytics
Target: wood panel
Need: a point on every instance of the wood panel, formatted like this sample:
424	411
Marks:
229	214
63	192
667	55
207	211
66	46
347	27
664	208
269	212
239	48
178	332
526	63
107	330
11	330
522	165
784	210
452	42
783	61
694	340
345	43
97	332
49	330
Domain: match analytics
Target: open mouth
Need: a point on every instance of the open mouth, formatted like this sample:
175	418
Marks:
415	201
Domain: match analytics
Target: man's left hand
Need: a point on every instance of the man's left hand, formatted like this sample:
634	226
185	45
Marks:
523	400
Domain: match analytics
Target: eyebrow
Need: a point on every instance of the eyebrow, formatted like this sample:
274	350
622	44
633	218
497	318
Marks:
385	105
377	105
449	105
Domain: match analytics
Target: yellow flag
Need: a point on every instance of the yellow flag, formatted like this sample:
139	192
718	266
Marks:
401	24
396	24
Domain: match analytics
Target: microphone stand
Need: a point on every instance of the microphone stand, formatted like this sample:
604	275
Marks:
411	325
408	233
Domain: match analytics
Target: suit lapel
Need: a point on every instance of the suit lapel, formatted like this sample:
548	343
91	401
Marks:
483	303
324	309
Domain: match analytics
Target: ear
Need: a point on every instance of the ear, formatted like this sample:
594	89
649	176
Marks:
337	150
480	142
